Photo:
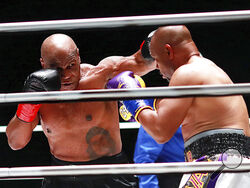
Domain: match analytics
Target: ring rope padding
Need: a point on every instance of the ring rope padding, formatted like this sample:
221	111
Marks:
125	21
110	169
125	94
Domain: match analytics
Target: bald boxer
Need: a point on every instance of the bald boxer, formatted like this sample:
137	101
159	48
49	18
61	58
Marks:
210	125
80	132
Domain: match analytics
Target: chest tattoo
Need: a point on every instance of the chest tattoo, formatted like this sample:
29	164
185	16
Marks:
48	130
88	117
100	143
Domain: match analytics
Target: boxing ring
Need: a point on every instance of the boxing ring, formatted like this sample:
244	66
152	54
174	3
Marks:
114	94
113	22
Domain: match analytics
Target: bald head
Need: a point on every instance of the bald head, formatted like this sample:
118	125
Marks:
171	47
60	52
173	35
57	46
176	38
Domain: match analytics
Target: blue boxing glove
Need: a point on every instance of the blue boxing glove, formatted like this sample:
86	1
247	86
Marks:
127	79
126	115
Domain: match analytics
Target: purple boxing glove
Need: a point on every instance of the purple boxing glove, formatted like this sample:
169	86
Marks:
127	79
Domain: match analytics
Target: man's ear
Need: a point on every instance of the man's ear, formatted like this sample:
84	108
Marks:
170	51
78	55
42	62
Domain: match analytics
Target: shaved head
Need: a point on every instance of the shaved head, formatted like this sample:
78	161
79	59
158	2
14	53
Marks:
56	46
173	35
59	51
171	46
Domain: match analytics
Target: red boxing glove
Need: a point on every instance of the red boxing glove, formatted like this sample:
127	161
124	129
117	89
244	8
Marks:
27	112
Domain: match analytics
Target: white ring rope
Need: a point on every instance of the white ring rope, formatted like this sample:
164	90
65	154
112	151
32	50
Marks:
124	94
122	125
112	22
109	169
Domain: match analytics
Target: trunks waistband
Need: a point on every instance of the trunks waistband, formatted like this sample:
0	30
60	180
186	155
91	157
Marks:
115	159
212	142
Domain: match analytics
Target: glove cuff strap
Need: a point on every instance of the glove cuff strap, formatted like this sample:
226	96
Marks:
27	112
137	113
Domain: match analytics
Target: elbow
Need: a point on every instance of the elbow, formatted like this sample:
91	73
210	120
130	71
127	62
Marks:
18	134
15	142
161	139
161	136
15	145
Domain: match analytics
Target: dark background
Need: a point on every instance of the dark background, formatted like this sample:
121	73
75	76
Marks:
227	44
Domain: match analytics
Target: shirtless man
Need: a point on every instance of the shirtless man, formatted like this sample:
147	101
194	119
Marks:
81	132
210	125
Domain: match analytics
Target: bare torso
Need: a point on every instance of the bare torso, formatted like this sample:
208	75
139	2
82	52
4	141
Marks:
82	131
206	113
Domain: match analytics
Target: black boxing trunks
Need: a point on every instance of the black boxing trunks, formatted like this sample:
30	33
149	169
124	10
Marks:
100	181
216	145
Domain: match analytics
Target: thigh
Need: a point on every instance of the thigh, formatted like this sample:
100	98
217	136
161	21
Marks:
126	181
232	180
169	180
117	181
59	183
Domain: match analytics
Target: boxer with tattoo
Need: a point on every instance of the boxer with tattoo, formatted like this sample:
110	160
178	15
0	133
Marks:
80	132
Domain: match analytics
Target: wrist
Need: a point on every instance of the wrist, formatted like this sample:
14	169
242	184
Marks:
136	106
140	110
27	112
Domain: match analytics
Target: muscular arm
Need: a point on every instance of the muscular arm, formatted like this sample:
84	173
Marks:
19	132
20	127
136	63
163	123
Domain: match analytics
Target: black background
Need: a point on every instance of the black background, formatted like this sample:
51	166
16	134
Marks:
227	44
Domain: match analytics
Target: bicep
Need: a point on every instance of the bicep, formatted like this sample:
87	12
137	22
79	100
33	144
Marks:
110	66
164	122
18	126
116	64
137	64
173	111
19	133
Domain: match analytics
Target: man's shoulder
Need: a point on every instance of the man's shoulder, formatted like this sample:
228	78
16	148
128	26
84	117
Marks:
86	66
86	70
188	74
93	76
185	70
112	60
198	72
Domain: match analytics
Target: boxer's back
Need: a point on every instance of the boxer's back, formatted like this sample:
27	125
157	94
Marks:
206	113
